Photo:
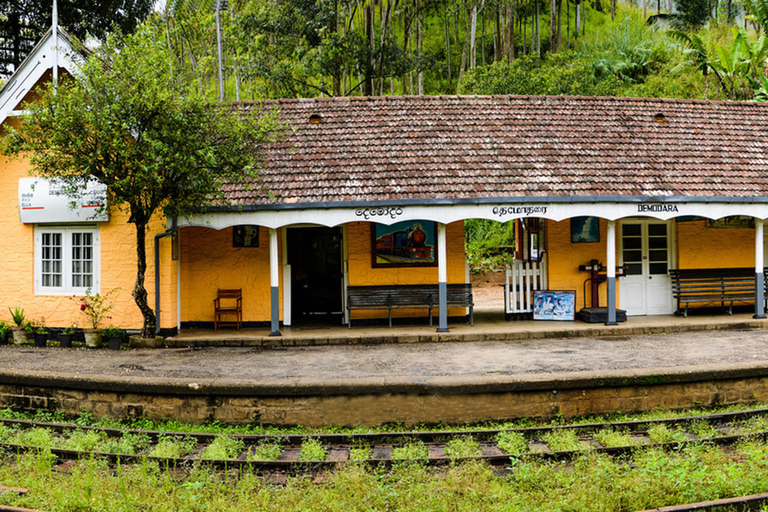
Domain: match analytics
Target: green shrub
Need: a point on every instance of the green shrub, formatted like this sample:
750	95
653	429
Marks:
462	448
173	446
266	450
312	450
512	443
222	448
414	450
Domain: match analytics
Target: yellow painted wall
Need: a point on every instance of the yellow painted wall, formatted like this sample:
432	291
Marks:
564	258
118	266
703	247
209	262
362	273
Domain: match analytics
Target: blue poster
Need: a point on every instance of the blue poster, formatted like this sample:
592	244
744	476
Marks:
554	305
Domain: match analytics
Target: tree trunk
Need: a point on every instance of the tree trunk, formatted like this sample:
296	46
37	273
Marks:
406	41
511	24
464	53
559	23
552	25
139	291
419	43
473	38
497	39
448	49
370	34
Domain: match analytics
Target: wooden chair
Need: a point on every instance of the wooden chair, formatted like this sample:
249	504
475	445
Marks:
228	303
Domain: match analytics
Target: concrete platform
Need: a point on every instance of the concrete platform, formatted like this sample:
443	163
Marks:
492	371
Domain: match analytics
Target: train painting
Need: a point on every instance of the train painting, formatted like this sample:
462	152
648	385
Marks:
410	243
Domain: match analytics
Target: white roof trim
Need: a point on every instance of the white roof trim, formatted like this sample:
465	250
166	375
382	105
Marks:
450	213
42	58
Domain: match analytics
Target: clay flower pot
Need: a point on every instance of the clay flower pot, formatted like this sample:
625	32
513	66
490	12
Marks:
20	335
92	338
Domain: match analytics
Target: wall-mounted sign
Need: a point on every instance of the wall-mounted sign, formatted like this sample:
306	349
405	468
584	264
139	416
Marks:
404	244
43	200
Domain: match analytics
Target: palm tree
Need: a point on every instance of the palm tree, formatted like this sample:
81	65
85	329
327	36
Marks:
697	56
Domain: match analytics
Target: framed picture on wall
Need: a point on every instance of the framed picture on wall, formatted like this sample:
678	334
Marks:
410	243
245	236
554	305
585	229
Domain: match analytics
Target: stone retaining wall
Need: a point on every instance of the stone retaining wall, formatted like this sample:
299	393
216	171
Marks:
448	400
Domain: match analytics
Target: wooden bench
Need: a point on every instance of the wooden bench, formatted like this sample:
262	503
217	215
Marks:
228	303
723	285
391	297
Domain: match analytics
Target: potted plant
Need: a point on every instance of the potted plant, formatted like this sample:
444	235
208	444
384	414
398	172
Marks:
95	308
5	332
20	334
114	337
39	333
65	338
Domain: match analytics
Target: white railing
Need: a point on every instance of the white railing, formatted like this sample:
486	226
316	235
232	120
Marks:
522	279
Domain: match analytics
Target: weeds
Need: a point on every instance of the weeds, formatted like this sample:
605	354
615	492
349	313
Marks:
413	450
462	448
564	441
312	450
264	451
512	443
173	446
223	448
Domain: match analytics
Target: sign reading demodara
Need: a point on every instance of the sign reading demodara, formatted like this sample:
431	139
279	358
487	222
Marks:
44	200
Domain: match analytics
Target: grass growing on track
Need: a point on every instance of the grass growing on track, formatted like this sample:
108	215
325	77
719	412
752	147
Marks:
649	478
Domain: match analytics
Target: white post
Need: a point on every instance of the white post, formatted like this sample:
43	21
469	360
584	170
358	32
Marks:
442	278
610	272
759	272
274	281
55	34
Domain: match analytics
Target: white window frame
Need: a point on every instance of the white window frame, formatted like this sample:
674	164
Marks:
66	288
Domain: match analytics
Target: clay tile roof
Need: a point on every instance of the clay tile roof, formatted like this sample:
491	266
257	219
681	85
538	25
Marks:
434	147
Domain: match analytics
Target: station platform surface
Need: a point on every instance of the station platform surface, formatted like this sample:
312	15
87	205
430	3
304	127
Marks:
523	350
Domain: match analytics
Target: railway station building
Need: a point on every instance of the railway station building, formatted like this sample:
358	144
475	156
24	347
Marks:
374	192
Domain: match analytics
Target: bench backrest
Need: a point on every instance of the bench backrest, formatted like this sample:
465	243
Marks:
724	281
406	295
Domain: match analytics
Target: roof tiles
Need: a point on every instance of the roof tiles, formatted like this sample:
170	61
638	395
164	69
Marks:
369	149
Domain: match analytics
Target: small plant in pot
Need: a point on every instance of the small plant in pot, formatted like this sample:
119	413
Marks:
114	336
5	333
65	338
95	308
20	334
40	333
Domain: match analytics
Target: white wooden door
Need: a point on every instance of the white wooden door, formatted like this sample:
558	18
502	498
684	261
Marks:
645	251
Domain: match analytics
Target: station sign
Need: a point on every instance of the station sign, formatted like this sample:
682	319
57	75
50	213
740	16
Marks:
45	200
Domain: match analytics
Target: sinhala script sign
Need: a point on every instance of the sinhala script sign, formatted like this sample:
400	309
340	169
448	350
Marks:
43	200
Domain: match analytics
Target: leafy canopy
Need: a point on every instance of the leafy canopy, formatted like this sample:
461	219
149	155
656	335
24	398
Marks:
131	120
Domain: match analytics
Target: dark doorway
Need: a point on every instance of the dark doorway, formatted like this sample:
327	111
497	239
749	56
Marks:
314	255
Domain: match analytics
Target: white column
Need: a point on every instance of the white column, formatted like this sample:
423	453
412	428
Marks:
274	281
759	272
442	278
610	271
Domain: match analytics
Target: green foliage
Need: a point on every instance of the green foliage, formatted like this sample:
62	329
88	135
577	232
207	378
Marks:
512	443
413	450
135	123
265	451
610	437
17	315
461	448
692	13
565	440
311	450
663	434
489	244
173	446
222	448
561	73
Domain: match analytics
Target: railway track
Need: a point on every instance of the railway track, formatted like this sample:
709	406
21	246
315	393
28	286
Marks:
294	453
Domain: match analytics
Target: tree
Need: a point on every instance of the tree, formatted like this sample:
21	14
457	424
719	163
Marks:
158	146
23	22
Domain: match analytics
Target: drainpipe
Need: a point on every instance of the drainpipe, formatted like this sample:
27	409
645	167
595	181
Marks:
158	236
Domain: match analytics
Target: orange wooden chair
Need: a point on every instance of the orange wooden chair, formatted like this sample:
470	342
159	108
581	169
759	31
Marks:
228	303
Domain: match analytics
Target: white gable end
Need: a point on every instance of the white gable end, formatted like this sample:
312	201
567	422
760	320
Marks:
43	57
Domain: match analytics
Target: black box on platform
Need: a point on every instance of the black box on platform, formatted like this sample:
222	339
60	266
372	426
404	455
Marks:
600	315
